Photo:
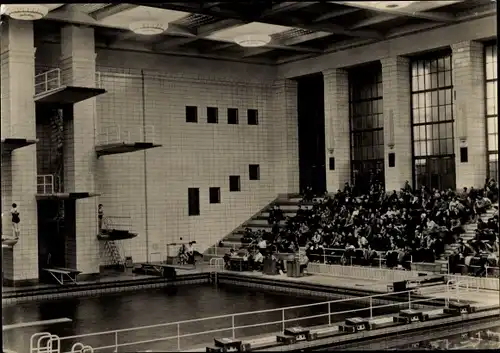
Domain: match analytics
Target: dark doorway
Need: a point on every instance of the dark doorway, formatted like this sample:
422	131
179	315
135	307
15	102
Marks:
56	235
311	123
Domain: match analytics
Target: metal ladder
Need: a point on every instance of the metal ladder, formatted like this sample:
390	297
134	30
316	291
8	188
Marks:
45	342
113	253
81	348
57	134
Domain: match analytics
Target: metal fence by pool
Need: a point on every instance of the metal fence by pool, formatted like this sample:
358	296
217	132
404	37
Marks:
184	334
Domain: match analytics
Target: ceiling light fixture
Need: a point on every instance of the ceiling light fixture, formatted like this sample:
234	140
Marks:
148	28
26	12
391	4
253	40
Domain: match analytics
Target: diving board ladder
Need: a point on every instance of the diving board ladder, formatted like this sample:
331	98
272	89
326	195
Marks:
112	252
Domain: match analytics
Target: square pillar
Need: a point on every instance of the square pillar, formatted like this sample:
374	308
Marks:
78	69
19	170
469	112
337	133
284	137
397	121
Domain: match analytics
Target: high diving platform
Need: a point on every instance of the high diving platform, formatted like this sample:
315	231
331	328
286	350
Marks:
50	90
117	139
46	190
116	228
13	143
8	242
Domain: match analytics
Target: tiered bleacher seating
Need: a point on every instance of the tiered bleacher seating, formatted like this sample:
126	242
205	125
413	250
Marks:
403	228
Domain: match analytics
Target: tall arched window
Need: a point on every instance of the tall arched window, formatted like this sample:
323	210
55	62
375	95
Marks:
366	124
491	109
432	122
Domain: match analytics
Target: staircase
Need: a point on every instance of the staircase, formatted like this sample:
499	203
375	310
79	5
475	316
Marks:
289	206
470	233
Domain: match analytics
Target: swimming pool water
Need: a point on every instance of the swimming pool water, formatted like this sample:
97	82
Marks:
151	307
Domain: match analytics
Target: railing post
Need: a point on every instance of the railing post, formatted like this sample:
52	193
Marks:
409	300
371	307
324	261
179	337
329	314
116	341
283	320
46	81
233	327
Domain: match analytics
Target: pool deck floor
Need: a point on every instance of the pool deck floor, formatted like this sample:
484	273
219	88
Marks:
484	297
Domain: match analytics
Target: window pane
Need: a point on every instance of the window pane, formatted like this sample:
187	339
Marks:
449	143
492	143
492	126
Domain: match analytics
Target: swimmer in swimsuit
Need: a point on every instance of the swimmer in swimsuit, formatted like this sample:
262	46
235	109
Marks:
15	220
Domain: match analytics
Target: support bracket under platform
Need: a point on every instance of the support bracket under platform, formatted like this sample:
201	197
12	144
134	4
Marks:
12	143
123	147
63	275
66	196
65	95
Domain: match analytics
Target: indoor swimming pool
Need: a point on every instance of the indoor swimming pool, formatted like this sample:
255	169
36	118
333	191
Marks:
158	306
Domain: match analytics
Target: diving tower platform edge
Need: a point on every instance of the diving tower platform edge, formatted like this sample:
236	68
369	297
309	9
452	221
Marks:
117	140
50	90
9	144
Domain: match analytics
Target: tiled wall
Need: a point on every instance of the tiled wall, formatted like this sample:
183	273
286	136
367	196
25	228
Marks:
199	155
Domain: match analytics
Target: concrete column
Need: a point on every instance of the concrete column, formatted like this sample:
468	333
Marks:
284	138
18	121
337	139
397	121
470	119
78	69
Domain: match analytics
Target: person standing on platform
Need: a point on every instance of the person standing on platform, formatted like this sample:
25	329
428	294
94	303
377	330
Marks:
100	215
15	220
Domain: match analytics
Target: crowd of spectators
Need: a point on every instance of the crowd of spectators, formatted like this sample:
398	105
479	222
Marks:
353	227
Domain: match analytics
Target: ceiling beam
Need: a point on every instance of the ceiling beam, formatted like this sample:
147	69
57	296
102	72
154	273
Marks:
373	21
411	11
336	13
111	10
287	6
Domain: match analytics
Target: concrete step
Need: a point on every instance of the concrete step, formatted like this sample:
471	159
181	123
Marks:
286	213
255	220
258	226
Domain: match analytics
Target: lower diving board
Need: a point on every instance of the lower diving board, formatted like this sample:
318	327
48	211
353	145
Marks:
63	275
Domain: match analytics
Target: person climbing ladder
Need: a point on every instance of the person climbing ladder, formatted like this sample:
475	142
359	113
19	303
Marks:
15	220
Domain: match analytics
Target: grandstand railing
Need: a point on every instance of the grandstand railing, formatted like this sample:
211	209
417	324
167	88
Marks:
364	272
52	80
117	338
117	134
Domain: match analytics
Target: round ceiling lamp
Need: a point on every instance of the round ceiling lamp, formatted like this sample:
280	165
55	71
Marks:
148	28
28	12
392	4
252	40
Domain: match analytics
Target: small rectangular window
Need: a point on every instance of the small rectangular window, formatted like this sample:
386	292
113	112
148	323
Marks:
232	116
464	155
331	163
191	114
392	160
254	172
214	195
193	202
212	115
234	183
253	117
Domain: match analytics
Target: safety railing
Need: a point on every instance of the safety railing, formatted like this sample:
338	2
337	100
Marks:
45	184
52	80
283	317
47	81
117	222
117	134
216	250
452	284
